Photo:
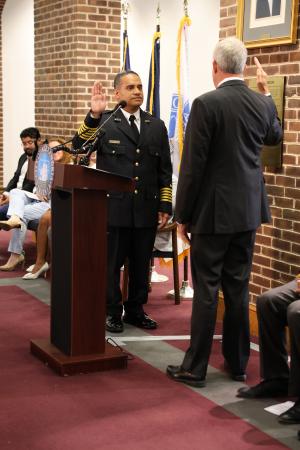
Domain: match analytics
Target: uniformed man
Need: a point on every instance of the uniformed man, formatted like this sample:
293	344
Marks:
135	145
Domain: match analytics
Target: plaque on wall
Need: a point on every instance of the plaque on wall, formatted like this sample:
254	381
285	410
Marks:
271	155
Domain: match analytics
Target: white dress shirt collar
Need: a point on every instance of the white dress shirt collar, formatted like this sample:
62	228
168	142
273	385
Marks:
230	79
137	115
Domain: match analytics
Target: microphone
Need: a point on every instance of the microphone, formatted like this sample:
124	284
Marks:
89	147
59	147
121	104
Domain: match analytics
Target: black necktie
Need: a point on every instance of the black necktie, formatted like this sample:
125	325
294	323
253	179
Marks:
135	130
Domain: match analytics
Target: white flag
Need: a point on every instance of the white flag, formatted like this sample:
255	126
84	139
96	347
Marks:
180	107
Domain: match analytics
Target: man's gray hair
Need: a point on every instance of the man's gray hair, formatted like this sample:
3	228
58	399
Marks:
231	55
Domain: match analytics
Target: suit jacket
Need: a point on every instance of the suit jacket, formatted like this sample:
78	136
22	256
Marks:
147	162
27	184
221	187
263	8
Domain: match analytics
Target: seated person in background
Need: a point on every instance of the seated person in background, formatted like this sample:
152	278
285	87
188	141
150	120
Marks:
277	309
22	209
31	139
41	265
163	241
92	163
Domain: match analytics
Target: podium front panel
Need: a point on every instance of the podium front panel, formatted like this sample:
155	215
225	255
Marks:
79	222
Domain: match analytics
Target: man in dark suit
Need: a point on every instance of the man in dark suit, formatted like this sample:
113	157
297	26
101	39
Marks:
30	138
277	309
135	145
221	200
267	8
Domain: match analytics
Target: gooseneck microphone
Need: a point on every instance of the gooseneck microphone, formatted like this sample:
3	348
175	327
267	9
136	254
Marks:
89	146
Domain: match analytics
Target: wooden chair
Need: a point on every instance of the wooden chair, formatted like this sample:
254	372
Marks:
172	227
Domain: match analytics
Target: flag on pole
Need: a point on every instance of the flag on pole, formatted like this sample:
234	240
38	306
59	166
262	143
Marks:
180	106
153	98
126	57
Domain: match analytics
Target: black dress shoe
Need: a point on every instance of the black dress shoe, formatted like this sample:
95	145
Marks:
235	376
239	377
140	321
267	388
177	373
114	324
292	415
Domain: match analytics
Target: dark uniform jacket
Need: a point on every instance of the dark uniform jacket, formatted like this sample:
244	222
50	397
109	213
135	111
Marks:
147	162
27	184
221	187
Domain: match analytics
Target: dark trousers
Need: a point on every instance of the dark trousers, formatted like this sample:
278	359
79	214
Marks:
277	309
3	212
220	260
136	244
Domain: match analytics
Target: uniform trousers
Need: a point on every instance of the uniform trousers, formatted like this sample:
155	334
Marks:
136	245
26	209
220	261
277	309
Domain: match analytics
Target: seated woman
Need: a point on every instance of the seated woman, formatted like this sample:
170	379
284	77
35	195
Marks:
41	265
21	210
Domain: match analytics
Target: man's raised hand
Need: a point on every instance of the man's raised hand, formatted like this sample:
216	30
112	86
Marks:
98	100
261	78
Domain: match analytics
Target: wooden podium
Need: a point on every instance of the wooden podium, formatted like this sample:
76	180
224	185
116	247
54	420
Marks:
78	276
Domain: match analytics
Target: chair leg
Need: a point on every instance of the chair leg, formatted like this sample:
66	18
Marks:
150	275
175	267
125	282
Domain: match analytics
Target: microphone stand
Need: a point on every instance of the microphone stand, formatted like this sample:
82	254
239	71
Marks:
90	148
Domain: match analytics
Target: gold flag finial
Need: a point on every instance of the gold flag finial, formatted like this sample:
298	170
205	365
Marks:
158	11
125	8
185	7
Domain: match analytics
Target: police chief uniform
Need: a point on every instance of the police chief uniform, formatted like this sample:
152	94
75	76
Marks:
132	216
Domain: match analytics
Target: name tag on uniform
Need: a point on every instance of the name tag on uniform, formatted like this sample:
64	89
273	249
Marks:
147	121
111	141
116	119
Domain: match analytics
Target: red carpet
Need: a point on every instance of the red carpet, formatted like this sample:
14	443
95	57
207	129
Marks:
133	409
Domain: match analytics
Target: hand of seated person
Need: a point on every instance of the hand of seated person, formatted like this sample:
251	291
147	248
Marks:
162	220
42	198
182	230
4	199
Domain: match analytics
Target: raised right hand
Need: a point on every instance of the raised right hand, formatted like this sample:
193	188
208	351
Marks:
98	99
261	78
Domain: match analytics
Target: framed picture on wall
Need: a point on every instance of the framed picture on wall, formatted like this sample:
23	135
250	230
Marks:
263	23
